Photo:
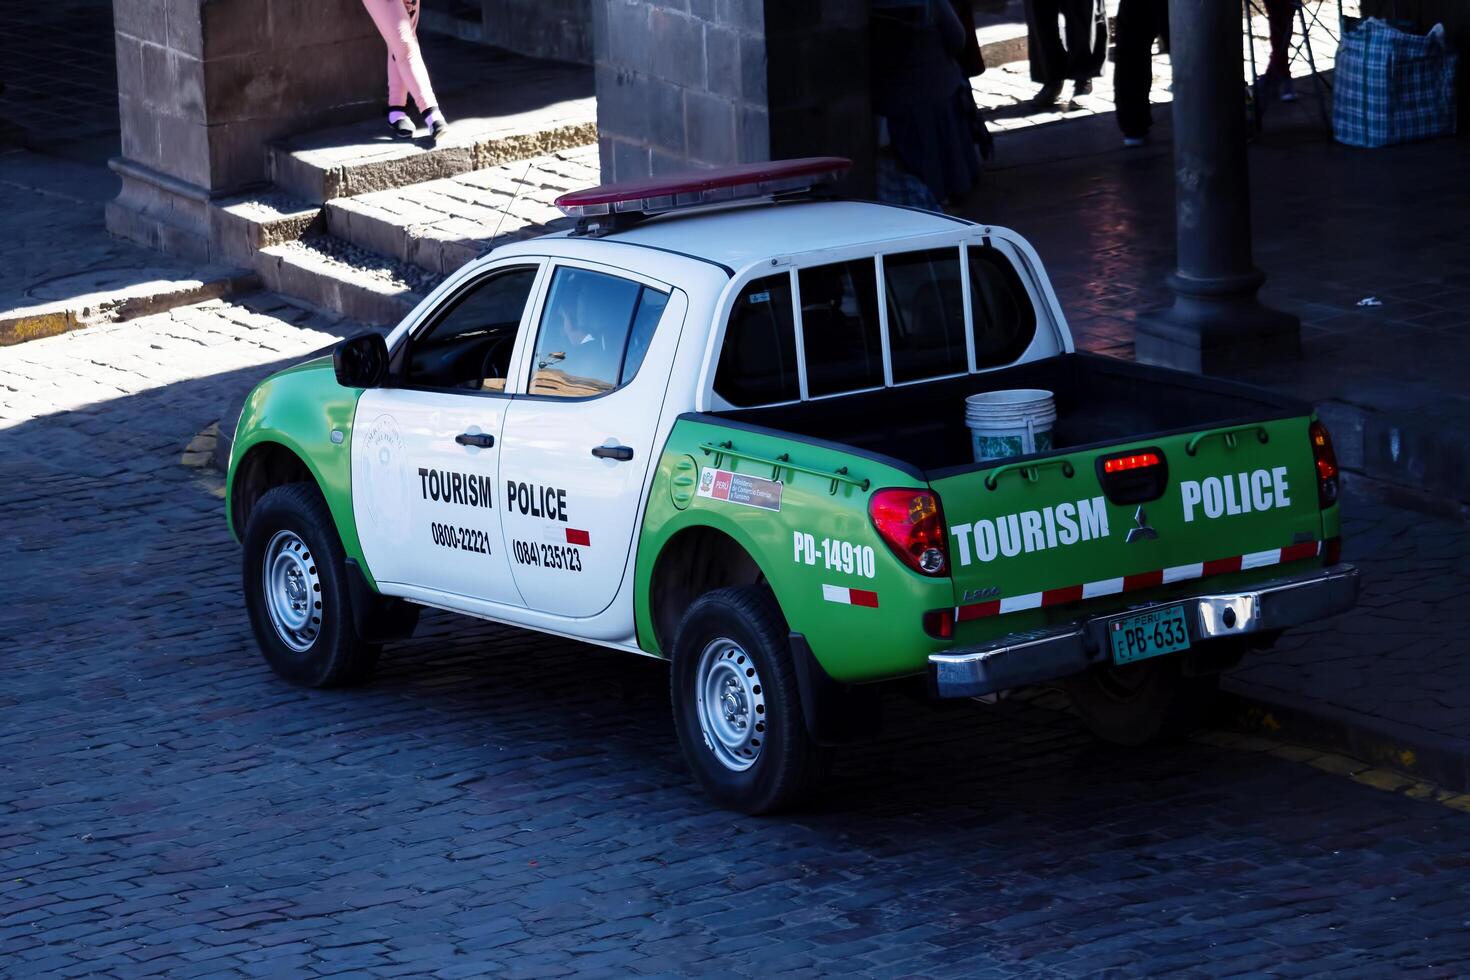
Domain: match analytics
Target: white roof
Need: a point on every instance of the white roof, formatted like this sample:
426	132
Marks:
737	236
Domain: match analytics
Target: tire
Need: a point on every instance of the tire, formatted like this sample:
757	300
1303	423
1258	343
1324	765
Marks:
1142	703
735	640
308	637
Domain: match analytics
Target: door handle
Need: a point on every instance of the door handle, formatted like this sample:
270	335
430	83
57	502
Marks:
481	439
622	453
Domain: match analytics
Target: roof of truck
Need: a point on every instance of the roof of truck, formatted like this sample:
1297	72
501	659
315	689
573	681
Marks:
738	235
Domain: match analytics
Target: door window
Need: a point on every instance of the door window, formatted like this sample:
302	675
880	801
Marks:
926	314
594	332
1005	320
469	347
839	327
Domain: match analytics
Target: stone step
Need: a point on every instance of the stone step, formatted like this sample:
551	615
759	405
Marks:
440	225
242	226
339	277
517	109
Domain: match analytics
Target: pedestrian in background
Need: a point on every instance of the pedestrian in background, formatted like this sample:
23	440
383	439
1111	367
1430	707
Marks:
1276	80
398	22
1078	56
1139	23
926	115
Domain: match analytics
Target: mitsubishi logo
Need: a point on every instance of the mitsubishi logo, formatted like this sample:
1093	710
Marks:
1140	517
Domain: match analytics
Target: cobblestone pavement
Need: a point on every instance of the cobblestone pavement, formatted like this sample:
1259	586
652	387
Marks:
497	802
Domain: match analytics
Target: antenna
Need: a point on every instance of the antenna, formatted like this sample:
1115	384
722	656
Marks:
508	204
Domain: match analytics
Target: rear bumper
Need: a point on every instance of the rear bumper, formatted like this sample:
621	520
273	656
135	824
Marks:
1047	654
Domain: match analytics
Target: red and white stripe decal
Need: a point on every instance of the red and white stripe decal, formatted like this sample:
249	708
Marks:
850	597
582	538
1132	583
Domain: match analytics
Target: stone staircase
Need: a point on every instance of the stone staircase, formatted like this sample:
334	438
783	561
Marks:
363	225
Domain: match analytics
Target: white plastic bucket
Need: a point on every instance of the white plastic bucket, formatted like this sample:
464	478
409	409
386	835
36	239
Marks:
1015	422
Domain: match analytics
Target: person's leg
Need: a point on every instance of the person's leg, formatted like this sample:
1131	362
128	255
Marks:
1133	67
1044	47
398	120
396	24
1280	15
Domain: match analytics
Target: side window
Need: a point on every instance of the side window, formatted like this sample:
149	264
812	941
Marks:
594	333
1005	321
839	327
469	347
926	314
758	362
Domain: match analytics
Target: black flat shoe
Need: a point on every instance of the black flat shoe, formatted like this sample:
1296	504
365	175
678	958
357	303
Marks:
439	130
403	128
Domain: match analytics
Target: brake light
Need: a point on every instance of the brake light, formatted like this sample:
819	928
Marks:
912	524
1326	460
1136	461
939	623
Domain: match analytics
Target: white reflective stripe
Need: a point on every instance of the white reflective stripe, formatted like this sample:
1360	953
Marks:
1018	602
1108	586
1258	559
1181	573
836	593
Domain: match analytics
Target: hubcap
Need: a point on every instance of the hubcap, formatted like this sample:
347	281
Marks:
293	591
731	703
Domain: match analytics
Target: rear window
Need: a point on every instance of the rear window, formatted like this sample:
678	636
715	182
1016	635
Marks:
926	314
1005	321
758	362
839	327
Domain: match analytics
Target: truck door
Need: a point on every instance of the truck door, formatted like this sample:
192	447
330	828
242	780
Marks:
578	442
426	447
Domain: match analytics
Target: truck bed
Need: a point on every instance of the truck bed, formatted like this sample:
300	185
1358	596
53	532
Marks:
1101	401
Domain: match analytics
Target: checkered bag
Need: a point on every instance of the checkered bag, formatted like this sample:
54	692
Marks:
1392	86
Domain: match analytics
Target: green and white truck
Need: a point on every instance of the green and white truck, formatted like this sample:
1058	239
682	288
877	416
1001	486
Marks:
722	422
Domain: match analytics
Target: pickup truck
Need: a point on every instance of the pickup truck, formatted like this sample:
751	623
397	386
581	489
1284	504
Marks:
721	421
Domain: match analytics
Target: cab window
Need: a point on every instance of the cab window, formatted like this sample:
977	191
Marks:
758	362
1005	320
839	327
594	332
469	346
926	314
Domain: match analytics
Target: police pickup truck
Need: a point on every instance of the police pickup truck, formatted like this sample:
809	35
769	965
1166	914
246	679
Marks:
722	422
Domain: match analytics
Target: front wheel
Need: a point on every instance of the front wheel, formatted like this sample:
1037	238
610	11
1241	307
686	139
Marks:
1140	703
737	707
296	591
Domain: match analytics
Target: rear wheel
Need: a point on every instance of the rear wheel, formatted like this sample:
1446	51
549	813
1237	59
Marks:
737	708
1139	703
296	591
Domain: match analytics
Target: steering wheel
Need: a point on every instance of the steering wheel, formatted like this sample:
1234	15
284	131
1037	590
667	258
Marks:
493	365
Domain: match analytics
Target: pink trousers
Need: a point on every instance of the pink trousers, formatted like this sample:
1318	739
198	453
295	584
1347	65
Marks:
398	21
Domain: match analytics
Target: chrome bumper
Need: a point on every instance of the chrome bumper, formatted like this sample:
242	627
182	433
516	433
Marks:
1056	651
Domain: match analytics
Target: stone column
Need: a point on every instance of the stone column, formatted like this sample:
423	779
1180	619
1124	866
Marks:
1216	322
683	84
203	85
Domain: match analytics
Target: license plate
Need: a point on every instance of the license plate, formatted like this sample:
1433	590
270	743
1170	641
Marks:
1148	634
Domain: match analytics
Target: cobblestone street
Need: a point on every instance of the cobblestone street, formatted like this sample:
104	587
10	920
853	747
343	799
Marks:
502	803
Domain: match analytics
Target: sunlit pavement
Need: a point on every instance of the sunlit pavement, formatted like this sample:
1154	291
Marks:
497	802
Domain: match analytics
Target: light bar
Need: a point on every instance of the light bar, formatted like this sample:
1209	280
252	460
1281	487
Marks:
1136	461
656	195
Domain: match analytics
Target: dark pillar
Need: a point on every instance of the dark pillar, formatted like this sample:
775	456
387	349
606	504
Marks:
1216	322
699	83
204	85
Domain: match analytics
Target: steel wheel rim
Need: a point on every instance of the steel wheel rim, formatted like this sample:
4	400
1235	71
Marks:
731	704
293	591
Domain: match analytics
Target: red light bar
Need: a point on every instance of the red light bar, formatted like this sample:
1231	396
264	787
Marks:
1137	461
653	195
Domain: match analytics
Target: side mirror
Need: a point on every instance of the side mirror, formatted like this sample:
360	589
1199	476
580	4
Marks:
361	361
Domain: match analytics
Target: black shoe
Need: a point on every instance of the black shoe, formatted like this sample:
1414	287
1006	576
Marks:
402	127
439	130
1048	95
1081	87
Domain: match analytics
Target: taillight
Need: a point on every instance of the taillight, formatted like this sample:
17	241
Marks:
1326	461
939	623
1134	477
913	525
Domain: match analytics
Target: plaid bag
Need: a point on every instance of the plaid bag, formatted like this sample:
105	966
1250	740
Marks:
1392	86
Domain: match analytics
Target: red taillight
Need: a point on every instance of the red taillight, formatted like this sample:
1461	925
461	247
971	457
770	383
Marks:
1135	461
913	525
1326	461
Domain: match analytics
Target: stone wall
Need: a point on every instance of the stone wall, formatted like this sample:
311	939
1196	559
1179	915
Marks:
560	29
203	85
695	83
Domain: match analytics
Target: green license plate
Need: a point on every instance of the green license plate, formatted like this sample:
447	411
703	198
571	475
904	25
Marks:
1148	634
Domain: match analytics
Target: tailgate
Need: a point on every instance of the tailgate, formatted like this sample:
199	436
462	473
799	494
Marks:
1055	530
